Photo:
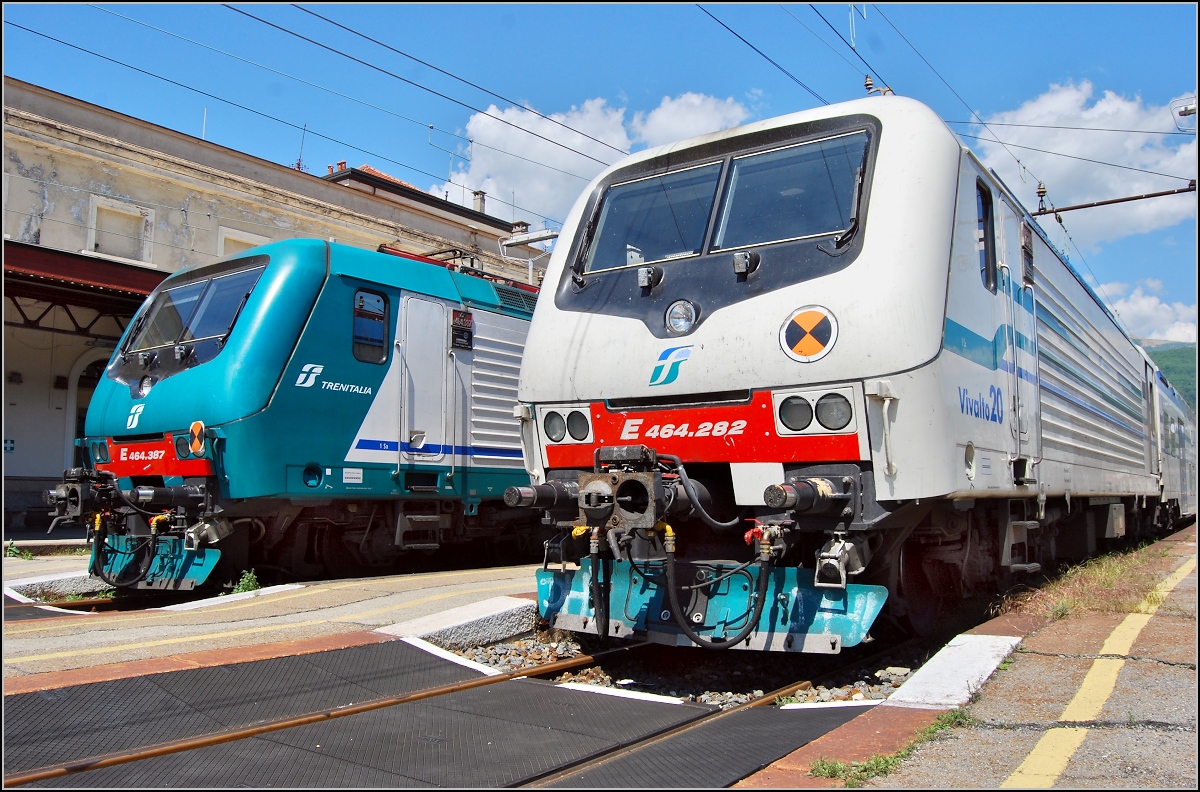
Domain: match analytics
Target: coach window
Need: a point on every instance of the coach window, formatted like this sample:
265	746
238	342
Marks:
986	236
370	327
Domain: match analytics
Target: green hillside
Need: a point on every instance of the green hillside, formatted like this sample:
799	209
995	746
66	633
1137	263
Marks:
1179	367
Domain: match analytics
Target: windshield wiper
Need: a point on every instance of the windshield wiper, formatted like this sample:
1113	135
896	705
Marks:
844	238
577	268
236	314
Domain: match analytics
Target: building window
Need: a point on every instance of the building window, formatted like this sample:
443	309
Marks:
231	241
119	229
986	236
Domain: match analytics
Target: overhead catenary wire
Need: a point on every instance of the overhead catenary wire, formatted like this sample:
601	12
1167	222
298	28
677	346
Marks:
1077	129
460	79
760	52
1083	159
823	41
297	127
407	81
340	94
956	95
870	68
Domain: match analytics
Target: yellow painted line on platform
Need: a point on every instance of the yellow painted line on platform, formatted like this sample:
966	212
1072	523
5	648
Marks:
1049	758
434	598
16	660
163	642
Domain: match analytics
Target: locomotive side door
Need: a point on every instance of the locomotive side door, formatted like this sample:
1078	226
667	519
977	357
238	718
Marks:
1017	280
423	399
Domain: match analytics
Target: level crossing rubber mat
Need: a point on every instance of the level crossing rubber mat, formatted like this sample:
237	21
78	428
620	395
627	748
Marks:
15	610
57	726
716	753
500	735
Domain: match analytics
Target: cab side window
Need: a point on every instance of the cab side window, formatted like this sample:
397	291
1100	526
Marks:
986	236
370	327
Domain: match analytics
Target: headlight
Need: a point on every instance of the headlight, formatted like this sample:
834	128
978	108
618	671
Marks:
577	425
833	411
680	317
181	447
796	413
555	426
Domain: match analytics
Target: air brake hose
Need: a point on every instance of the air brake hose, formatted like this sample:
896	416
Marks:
599	603
691	493
764	566
100	560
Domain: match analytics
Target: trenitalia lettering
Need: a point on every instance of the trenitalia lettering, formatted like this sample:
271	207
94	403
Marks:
342	386
987	409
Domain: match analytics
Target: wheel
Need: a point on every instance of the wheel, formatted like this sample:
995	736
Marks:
923	604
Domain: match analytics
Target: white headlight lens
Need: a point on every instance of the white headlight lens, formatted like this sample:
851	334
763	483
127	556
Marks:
577	425
796	413
681	316
555	426
833	411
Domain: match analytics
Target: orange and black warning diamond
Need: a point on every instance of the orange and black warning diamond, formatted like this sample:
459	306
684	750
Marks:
809	333
196	437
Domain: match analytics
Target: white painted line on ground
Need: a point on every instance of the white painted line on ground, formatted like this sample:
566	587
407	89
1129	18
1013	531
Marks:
451	656
46	578
26	600
629	694
952	676
14	595
222	600
815	704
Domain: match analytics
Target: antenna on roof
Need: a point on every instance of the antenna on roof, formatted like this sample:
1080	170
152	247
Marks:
300	159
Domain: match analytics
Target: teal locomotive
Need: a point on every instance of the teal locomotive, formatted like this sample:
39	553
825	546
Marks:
305	406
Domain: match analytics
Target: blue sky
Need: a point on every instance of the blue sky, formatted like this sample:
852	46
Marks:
638	75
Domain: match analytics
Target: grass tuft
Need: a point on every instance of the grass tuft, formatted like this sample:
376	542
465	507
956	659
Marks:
248	582
855	773
1112	583
12	551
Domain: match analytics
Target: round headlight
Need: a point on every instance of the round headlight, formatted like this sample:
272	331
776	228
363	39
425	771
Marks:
555	426
833	411
796	413
181	447
95	447
680	317
577	425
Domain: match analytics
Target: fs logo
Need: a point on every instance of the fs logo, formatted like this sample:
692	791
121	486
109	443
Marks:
308	375
134	414
667	370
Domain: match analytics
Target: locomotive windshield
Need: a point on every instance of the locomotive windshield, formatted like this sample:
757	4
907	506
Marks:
194	311
654	219
796	192
791	193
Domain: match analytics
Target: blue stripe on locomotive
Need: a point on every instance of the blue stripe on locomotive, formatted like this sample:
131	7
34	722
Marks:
267	429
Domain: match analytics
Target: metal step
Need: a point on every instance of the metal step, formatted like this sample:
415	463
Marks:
1026	567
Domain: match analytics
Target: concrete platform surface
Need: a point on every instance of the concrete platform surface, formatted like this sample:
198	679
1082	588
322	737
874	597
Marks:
1092	701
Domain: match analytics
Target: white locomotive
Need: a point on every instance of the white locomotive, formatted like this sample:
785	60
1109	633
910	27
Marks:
784	373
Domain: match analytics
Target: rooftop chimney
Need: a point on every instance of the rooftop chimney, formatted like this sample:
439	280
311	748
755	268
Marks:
479	195
330	170
341	166
520	227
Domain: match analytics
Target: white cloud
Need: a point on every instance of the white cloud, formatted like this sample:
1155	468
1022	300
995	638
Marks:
549	178
1075	181
1146	316
686	116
